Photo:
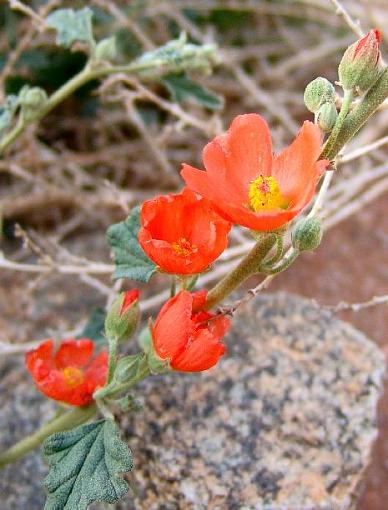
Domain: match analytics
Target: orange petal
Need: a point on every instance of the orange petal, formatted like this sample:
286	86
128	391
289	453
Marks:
173	325
242	154
295	167
203	353
74	353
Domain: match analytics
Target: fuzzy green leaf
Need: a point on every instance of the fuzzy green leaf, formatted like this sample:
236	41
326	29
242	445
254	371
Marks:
94	328
181	88
72	26
85	463
130	259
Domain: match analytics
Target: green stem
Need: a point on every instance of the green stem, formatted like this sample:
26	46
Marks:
112	358
248	266
284	264
87	74
358	116
347	101
278	253
66	421
173	286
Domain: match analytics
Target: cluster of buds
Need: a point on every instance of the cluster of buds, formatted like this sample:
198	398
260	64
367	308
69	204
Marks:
359	69
319	98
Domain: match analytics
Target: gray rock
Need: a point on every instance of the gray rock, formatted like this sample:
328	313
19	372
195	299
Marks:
285	422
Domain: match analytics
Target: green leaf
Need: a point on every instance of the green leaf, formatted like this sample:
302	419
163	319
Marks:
85	463
177	56
94	328
130	259
181	88
72	26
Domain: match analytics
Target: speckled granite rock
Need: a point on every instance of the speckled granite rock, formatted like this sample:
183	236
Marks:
285	422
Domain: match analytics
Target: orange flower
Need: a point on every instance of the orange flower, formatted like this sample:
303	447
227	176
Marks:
249	186
71	375
182	233
188	336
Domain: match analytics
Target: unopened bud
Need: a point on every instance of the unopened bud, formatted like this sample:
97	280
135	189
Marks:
361	64
327	116
123	316
307	234
106	49
318	92
128	367
31	99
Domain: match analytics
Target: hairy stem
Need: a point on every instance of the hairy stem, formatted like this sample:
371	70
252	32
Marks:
66	421
87	74
248	266
347	101
357	117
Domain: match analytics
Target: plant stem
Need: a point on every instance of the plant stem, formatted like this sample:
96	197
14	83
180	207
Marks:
357	117
285	263
248	266
347	101
66	421
112	358
87	74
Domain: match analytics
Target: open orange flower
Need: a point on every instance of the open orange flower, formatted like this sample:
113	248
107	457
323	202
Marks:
249	186
182	233
188	336
71	375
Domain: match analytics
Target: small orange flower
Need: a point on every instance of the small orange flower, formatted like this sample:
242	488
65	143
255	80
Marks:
182	233
188	336
249	186
71	375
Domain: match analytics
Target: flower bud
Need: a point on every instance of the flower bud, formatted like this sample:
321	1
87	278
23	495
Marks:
361	64
128	367
123	316
327	116
307	234
31	99
106	49
318	92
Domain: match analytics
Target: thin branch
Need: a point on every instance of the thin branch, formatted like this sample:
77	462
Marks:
341	11
356	307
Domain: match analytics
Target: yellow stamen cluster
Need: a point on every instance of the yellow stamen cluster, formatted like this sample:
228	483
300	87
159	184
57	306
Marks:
73	376
264	194
184	248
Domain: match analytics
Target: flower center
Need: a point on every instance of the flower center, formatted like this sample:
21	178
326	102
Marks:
73	376
264	194
183	247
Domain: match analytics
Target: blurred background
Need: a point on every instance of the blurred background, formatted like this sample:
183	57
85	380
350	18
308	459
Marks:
121	140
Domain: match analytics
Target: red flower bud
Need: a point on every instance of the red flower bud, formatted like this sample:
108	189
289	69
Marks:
129	297
71	375
182	233
123	316
188	336
361	64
